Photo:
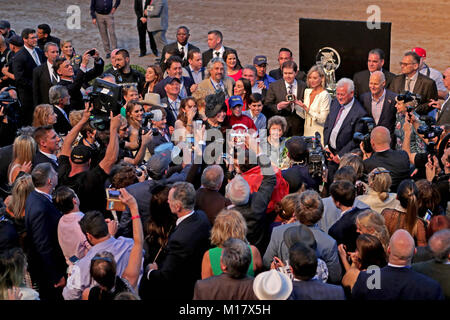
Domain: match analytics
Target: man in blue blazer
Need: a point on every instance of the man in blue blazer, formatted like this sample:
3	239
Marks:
303	262
342	122
47	265
175	278
397	281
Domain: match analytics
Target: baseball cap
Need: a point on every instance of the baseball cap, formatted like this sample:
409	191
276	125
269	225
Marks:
235	101
420	51
159	163
296	147
170	79
259	60
80	154
16	40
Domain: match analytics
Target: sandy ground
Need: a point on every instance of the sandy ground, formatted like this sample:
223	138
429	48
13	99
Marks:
250	26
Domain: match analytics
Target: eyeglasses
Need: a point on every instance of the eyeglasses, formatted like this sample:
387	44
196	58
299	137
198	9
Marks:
402	64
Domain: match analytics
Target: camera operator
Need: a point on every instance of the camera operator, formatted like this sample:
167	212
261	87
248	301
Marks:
298	173
9	116
123	71
440	178
74	170
395	161
405	113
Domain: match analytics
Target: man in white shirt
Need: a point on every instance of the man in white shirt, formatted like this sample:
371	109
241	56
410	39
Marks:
48	145
44	76
181	45
195	69
216	48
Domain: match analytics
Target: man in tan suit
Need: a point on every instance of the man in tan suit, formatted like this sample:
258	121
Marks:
215	80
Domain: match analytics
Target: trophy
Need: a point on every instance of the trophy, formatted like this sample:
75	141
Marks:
329	59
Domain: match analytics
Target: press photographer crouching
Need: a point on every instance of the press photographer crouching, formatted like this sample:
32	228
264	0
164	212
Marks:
9	115
395	161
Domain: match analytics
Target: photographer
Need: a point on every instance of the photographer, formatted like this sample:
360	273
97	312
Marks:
298	174
9	116
440	178
395	161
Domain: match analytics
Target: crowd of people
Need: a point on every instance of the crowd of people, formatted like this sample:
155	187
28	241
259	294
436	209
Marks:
215	179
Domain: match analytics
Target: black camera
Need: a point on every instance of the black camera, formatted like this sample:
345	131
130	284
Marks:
409	97
99	122
364	135
10	105
290	98
428	130
105	97
316	155
155	115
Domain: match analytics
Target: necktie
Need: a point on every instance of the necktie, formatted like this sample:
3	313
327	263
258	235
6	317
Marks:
290	89
54	80
408	84
338	116
182	52
36	58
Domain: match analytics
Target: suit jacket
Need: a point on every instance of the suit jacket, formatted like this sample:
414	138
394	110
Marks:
62	125
74	87
224	287
138	9
159	139
277	74
50	38
397	284
344	140
47	264
361	81
39	157
174	45
444	114
208	55
176	277
41	84
158	18
344	230
316	290
23	65
171	117
159	87
211	202
424	86
276	93
388	113
188	70
437	271
205	88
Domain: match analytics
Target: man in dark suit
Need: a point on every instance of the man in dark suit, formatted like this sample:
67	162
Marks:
159	122
208	198
48	144
233	283
216	48
74	82
303	263
443	116
47	264
175	70
181	45
176	277
172	100
397	281
195	67
375	62
44	37
343	231
276	102
284	55
396	161
60	99
380	102
24	62
45	76
341	123
139	7
412	80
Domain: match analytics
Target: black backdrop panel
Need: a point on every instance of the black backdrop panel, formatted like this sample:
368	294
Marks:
351	39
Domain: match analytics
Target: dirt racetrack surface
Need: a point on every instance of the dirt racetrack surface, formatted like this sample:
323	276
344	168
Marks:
251	26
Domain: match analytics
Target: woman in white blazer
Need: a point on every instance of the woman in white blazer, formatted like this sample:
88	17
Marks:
316	104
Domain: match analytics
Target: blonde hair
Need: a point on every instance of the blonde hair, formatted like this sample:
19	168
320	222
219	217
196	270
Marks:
22	187
41	114
380	181
75	117
12	265
288	204
375	224
24	149
321	73
228	224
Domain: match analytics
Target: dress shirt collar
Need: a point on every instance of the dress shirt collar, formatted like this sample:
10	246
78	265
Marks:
397	266
381	98
179	220
49	155
414	77
294	85
48	196
221	51
62	111
348	105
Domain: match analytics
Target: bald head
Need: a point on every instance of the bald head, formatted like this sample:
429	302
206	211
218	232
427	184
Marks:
380	139
378	75
401	248
439	244
212	177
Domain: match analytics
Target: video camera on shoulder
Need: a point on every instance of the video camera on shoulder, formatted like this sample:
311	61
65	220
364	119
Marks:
429	130
316	155
364	135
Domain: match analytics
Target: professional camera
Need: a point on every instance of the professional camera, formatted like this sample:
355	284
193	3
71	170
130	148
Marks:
155	115
290	97
429	131
364	136
409	97
10	105
316	156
